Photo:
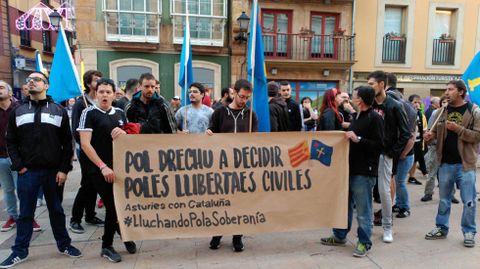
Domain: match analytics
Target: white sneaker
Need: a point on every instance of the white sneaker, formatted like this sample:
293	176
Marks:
387	236
39	202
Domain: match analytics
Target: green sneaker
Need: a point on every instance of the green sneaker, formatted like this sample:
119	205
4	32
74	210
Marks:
361	250
333	241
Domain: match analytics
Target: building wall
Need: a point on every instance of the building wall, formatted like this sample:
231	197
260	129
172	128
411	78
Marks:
99	54
418	75
5	53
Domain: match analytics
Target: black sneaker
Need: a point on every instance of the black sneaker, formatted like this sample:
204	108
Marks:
111	254
215	242
426	198
455	200
95	221
76	227
12	260
414	181
403	213
395	209
71	251
237	243
131	247
377	218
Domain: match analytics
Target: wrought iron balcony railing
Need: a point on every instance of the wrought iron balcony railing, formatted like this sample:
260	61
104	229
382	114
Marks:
308	47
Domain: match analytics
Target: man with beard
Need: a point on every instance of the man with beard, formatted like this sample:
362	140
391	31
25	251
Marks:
234	118
197	114
150	109
396	136
41	151
86	195
344	108
295	116
227	98
457	134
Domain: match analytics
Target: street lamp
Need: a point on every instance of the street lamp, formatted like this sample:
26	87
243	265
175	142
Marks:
243	21
55	18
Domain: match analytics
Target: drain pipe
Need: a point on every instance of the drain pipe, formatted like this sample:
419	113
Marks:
352	47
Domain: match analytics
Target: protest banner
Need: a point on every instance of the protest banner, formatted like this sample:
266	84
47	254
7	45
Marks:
177	186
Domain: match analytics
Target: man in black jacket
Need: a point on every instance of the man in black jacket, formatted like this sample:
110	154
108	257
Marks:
279	121
87	195
364	133
39	143
150	109
293	108
234	118
397	134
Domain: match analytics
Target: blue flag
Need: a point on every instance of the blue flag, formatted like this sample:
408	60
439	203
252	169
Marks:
256	63
186	71
321	152
39	63
472	79
64	80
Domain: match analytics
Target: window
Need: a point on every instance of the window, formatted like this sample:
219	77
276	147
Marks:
25	35
394	41
47	41
206	18
126	68
323	44
132	20
46	2
277	29
127	72
204	76
443	42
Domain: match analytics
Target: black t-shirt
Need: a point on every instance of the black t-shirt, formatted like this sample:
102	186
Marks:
379	108
101	123
450	153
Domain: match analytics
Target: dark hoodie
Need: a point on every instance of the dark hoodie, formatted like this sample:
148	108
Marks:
155	117
38	136
279	118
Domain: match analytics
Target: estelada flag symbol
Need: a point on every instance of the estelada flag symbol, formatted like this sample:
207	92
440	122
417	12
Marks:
299	154
321	152
472	79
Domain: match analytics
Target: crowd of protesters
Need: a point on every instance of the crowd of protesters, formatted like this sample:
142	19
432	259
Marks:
388	135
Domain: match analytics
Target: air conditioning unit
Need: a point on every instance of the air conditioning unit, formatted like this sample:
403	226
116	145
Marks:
20	63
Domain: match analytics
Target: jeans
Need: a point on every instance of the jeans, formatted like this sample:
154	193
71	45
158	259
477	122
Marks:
384	177
27	189
8	180
360	195
401	179
449	174
86	196
432	168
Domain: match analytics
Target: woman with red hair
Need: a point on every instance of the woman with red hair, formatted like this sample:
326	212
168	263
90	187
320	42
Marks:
330	118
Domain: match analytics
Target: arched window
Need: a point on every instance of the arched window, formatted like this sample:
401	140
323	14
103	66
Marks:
125	69
207	73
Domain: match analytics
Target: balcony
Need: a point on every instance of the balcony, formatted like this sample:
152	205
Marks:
308	48
394	49
443	51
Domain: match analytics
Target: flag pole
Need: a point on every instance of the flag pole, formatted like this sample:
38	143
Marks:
252	57
187	25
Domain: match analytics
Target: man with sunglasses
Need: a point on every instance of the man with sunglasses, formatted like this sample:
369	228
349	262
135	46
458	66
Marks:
39	143
234	118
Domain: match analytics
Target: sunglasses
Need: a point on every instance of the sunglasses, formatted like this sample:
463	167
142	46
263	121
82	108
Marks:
35	79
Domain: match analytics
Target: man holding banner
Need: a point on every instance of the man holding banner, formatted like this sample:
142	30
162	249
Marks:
364	133
99	126
197	116
234	118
